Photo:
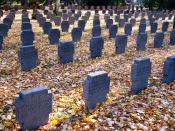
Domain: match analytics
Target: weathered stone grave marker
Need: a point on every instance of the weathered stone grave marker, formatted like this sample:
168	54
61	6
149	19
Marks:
28	57
96	87
66	51
113	29
54	36
141	41
158	39
140	73
76	34
120	43
33	107
96	46
169	70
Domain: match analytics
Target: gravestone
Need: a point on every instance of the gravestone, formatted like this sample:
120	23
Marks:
96	17
126	17
172	37
85	18
96	88
109	22
82	24
57	20
113	29
28	57
96	22
26	26
154	26
8	21
65	26
46	27
128	28
25	20
158	39
65	16
96	31
117	18
165	26
133	21
143	20
140	73
121	22
66	51
54	36
76	34
96	46
142	28
141	41
71	20
110	12
1	41
169	70
120	43
33	107
42	21
4	29
27	37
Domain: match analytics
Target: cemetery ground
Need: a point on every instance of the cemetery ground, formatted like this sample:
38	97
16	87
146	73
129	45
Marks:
153	109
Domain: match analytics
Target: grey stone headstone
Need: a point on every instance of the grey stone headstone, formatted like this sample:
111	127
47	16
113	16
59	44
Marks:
4	29
113	31
8	21
82	24
165	26
96	31
33	107
158	39
76	34
28	57
140	73
46	27
128	28
126	17
96	17
66	51
121	22
26	26
96	22
172	37
65	26
65	16
54	36
71	20
109	22
27	37
133	21
169	70
96	46
141	41
143	20
96	88
154	26
57	20
120	43
142	28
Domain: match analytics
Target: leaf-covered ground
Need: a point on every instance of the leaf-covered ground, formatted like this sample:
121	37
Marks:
153	109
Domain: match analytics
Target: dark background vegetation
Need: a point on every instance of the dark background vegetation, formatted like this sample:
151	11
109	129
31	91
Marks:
151	4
